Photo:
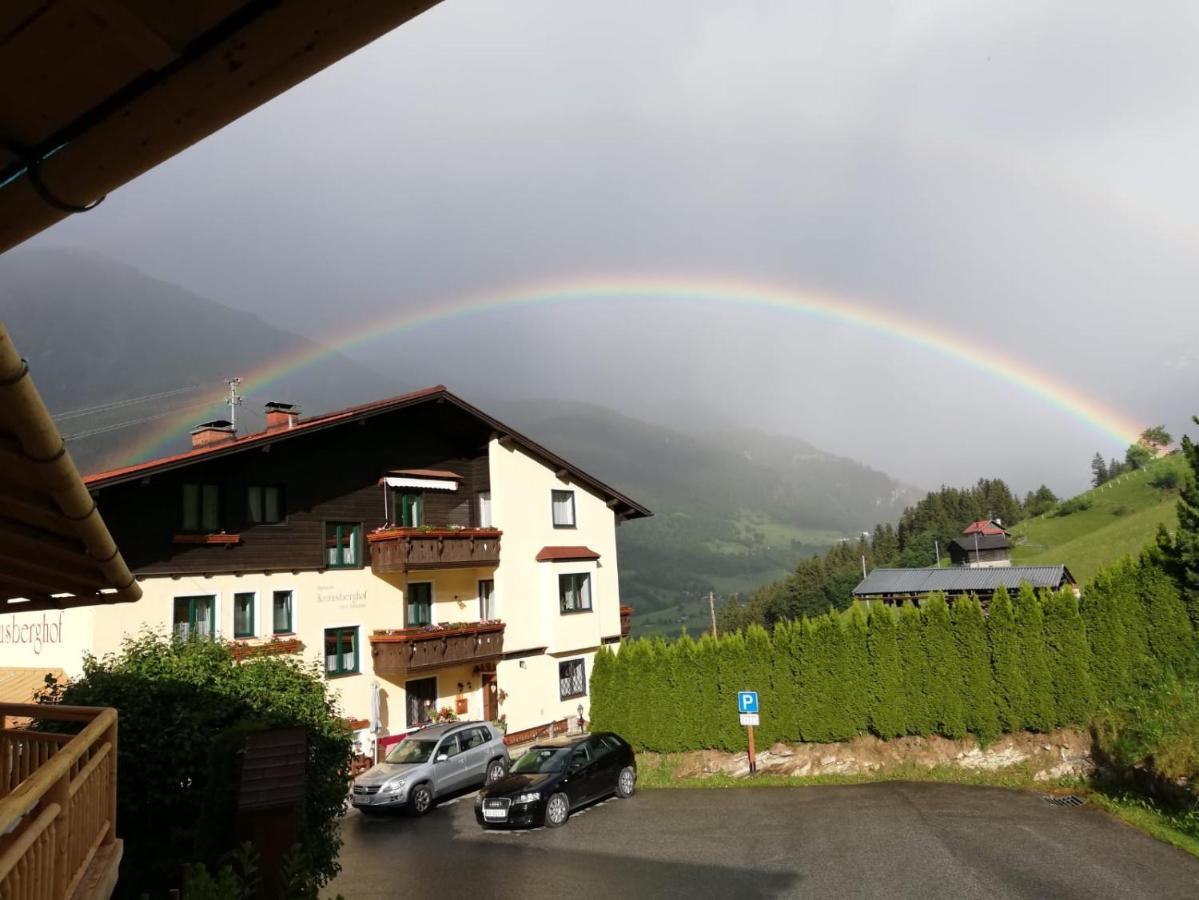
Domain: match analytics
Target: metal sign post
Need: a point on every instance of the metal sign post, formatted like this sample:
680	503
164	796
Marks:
747	708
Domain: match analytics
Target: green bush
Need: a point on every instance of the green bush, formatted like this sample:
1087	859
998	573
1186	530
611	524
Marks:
175	698
1073	505
1044	661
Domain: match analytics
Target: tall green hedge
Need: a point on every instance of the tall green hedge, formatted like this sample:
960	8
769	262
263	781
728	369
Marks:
1042	661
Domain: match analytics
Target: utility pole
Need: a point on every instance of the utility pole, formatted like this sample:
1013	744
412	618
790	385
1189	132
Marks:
863	565
937	548
234	400
712	611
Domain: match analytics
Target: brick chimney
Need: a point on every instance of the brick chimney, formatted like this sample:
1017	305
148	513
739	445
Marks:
281	415
209	434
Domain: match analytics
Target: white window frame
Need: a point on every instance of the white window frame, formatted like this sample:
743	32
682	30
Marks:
582	661
495	606
295	612
574	509
483	501
218	600
257	623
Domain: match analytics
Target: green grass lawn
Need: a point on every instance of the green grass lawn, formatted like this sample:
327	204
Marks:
1122	518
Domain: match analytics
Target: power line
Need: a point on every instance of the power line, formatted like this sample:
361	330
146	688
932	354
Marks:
104	429
129	401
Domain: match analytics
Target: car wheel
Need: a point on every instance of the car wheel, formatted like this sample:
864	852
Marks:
495	771
557	811
421	800
626	782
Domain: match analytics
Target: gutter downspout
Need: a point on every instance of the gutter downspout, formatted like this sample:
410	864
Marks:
42	446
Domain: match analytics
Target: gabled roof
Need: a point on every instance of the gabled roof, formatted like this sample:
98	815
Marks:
984	526
623	506
959	579
983	542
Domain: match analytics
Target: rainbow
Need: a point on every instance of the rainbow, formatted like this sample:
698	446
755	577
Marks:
962	349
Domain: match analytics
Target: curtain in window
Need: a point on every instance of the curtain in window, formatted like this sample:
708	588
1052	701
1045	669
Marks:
210	519
484	509
254	498
243	614
331	651
347	650
282	611
564	507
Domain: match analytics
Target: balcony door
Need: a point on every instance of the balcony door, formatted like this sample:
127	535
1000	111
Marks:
419	604
420	698
487	601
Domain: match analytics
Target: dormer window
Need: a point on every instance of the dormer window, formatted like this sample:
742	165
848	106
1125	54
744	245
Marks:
406	490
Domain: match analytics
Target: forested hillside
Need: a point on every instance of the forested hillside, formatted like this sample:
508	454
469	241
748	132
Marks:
732	510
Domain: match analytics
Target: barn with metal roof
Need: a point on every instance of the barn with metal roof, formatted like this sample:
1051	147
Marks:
900	585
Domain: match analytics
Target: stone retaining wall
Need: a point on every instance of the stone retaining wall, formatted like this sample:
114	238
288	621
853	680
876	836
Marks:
1061	754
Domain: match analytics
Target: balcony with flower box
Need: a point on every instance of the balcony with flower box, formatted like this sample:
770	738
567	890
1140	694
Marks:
399	550
401	651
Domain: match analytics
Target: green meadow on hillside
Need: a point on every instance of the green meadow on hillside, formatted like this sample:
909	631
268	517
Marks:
1121	519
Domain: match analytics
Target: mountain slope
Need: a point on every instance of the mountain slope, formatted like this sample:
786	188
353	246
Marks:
733	510
96	331
1120	518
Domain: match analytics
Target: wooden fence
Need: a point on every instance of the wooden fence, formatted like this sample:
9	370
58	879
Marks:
58	803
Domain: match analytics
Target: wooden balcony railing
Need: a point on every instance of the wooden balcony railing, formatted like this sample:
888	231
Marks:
58	805
403	549
626	621
397	653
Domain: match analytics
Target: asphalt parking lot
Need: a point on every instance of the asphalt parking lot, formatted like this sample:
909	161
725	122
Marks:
880	840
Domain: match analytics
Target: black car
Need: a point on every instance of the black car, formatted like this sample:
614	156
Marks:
557	776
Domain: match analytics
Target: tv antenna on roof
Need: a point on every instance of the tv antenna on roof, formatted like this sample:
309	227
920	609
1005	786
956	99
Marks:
234	400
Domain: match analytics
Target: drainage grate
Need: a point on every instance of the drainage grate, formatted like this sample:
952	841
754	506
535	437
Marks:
1064	800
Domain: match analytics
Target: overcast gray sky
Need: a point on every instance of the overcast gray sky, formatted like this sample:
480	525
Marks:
1021	173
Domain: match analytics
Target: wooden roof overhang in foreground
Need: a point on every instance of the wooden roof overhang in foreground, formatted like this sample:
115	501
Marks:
95	92
55	550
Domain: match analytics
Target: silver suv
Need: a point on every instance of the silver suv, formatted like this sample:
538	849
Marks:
431	763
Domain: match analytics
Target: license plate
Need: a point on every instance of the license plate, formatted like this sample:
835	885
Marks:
497	815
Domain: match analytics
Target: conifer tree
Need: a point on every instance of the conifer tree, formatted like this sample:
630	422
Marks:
913	656
1182	549
807	649
680	712
945	669
602	674
787	685
857	671
1126	577
888	707
1010	688
838	712
733	678
1104	623
1040	713
1171	638
1069	658
709	703
759	664
970	634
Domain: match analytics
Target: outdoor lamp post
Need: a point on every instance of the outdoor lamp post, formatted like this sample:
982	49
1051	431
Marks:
580	718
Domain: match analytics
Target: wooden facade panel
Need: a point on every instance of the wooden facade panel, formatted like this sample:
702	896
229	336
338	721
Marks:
326	476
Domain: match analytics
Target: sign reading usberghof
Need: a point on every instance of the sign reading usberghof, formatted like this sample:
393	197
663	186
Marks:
47	631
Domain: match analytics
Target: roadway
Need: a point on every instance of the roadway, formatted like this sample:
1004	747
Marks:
890	841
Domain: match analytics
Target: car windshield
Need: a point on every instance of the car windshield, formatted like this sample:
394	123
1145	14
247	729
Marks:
541	760
410	751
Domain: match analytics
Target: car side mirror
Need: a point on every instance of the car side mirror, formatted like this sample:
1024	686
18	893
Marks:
441	757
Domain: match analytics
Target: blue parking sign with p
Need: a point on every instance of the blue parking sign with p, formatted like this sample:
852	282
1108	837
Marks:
747	701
